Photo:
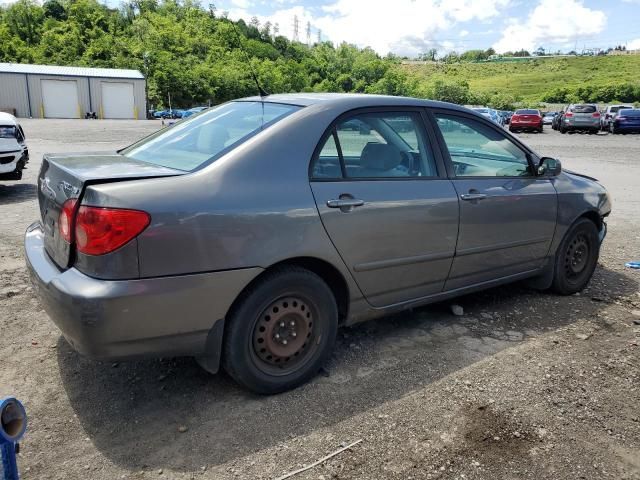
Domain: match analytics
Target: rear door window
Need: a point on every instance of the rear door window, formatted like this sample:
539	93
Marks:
376	145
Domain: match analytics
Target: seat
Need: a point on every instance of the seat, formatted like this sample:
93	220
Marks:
212	138
381	160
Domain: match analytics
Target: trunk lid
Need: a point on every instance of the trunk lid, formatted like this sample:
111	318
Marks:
63	177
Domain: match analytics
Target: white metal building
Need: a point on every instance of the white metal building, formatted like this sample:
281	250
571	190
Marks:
49	91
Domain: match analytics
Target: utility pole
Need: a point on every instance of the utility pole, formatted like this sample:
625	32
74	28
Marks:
296	28
319	36
308	34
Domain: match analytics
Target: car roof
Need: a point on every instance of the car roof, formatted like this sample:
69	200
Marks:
8	119
352	100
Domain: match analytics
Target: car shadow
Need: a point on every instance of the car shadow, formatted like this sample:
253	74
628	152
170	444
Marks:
17	192
170	414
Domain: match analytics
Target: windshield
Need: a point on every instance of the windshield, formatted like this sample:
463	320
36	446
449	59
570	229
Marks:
7	132
615	109
204	137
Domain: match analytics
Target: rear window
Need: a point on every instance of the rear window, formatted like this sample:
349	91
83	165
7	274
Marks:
615	109
203	138
527	112
583	109
630	113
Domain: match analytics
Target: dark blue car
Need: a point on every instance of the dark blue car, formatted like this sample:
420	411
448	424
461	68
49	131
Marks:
626	121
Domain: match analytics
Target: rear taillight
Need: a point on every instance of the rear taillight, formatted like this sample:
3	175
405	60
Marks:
568	114
100	230
596	115
621	118
515	117
65	220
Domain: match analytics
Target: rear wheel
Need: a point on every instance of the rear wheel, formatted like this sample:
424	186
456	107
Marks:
281	331
576	258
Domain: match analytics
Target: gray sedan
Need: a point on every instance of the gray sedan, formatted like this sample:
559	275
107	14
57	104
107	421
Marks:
247	234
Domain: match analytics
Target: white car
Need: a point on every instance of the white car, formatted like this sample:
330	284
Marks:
14	153
609	113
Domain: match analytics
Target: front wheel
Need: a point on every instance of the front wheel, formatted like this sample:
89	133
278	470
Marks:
576	258
281	331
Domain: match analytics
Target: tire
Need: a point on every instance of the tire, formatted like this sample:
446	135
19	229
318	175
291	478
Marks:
576	258
281	331
563	130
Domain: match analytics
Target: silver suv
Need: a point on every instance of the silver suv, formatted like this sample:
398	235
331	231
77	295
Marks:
583	116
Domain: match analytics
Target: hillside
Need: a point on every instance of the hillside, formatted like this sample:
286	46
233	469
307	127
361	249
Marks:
533	80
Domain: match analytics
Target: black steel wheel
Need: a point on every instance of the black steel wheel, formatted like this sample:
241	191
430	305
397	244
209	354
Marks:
280	331
576	258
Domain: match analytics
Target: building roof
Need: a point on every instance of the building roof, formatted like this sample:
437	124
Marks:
69	71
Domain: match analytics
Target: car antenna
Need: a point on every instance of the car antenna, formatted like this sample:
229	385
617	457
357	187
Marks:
261	91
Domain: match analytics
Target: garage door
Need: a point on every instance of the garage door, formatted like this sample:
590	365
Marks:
60	98
117	100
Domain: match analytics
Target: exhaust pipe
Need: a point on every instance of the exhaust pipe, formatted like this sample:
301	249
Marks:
13	423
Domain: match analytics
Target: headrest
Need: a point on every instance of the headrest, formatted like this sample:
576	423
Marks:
212	138
380	156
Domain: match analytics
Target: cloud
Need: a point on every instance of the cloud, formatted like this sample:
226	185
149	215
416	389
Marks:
634	44
552	23
407	27
241	3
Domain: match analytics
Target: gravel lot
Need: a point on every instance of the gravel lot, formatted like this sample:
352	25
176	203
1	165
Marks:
523	385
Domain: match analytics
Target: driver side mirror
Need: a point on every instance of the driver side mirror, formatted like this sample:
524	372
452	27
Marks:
549	166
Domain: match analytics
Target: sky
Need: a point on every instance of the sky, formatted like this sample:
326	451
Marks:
411	27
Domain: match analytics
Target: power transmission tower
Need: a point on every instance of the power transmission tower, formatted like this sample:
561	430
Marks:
276	29
296	28
319	36
308	33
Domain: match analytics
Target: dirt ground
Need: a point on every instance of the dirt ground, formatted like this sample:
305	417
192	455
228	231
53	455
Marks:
524	385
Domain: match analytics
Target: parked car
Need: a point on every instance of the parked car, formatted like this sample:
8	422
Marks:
506	116
161	114
625	121
557	120
584	117
547	118
489	113
526	119
609	113
245	236
14	154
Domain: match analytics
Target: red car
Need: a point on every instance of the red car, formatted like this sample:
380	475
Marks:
526	119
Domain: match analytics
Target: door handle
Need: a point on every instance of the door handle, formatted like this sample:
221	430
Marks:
345	203
473	196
